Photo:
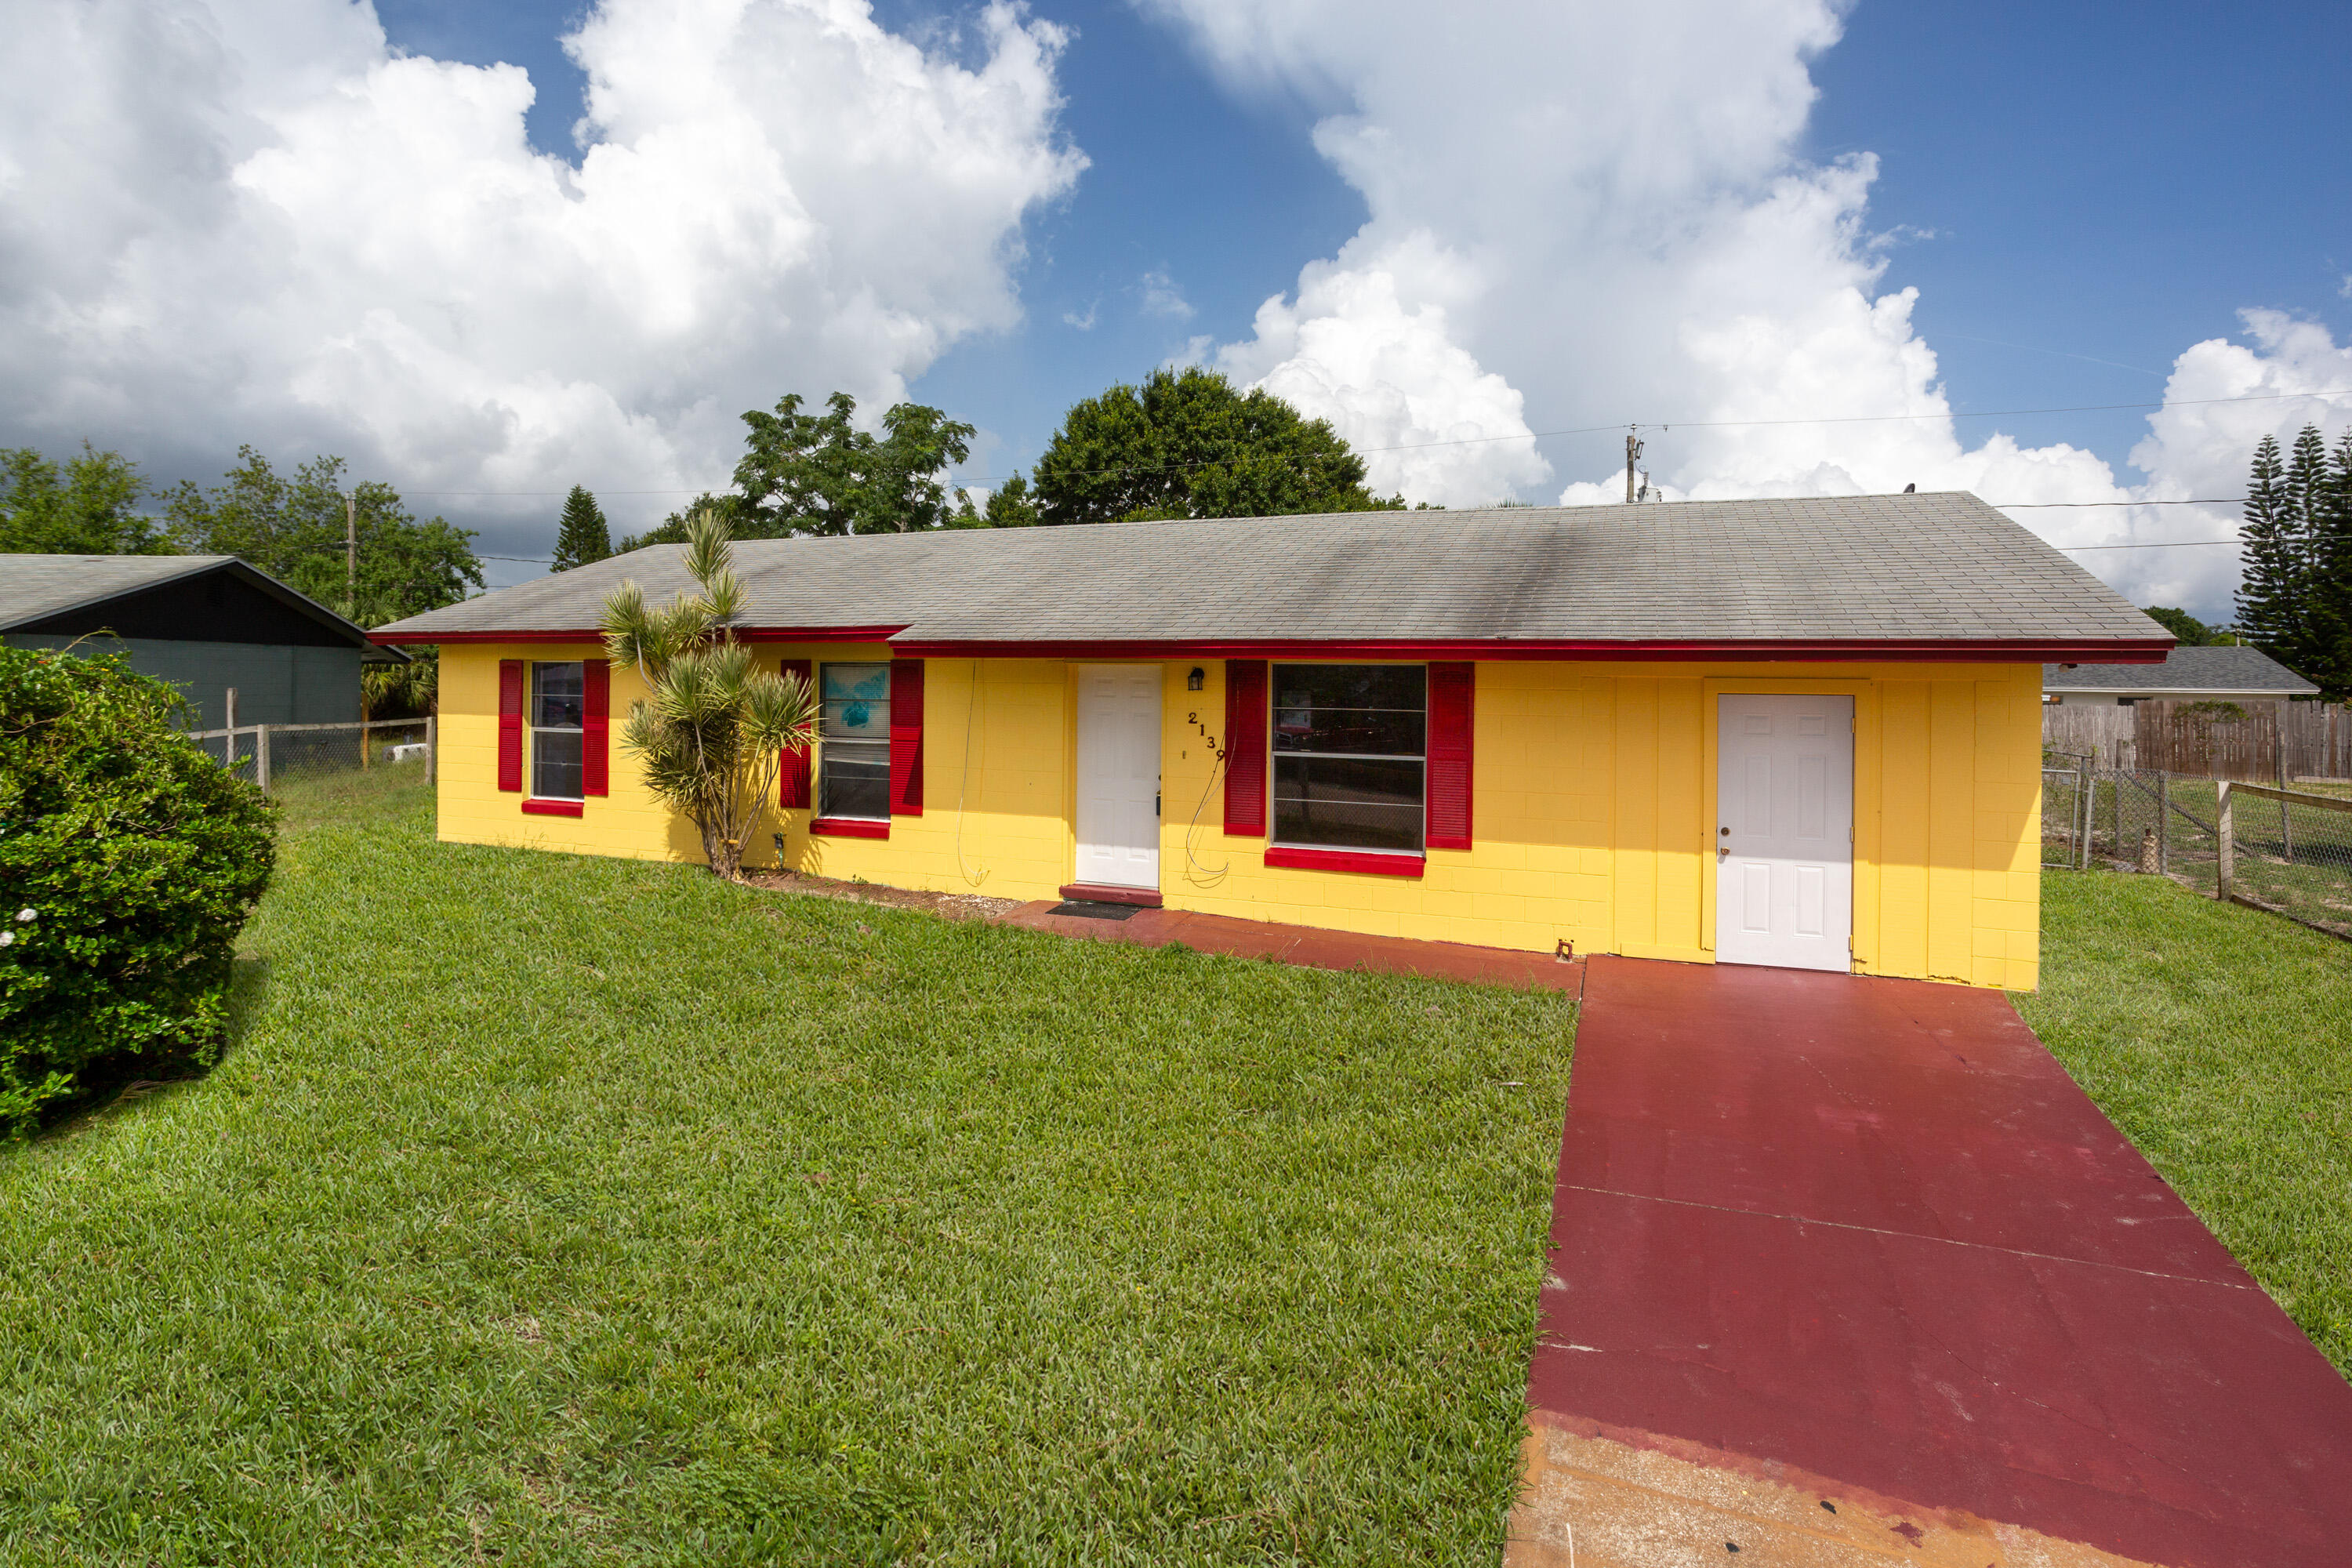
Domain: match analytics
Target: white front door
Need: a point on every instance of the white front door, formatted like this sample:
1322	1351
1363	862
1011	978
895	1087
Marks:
1119	774
1784	831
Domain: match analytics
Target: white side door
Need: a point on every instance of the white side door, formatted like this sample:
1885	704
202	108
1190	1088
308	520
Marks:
1784	831
1119	774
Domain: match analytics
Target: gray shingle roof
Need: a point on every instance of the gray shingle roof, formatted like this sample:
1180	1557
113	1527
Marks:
34	587
2184	669
1907	568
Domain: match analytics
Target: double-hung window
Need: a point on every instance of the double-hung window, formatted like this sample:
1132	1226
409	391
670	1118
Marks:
853	748
558	702
1351	755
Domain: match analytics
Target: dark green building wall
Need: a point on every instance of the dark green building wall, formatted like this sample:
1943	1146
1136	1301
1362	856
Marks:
276	683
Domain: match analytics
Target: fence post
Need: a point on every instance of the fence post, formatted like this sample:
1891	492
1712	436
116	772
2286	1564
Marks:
261	756
2164	823
432	749
228	727
2083	803
2225	865
2286	826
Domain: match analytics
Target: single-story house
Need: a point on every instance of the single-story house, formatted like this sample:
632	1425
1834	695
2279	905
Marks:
2207	674
1797	733
205	623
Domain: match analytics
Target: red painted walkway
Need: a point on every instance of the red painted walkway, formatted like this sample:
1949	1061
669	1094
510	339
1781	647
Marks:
1870	1228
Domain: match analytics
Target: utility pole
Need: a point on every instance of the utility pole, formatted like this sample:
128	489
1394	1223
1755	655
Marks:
1632	454
352	556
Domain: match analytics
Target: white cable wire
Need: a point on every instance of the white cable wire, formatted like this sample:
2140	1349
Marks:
1207	879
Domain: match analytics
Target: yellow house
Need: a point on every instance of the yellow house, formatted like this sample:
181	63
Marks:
1795	732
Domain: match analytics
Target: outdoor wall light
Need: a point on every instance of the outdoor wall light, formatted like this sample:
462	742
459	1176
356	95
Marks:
1192	681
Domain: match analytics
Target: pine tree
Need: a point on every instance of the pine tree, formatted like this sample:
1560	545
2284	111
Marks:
2330	552
2267	588
583	537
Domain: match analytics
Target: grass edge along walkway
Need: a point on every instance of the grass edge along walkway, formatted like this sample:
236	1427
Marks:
2219	1040
566	1210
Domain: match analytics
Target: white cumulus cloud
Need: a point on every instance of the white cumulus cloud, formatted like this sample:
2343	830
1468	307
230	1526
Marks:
252	220
1604	212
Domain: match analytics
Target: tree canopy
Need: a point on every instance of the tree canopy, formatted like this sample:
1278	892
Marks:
2294	599
2185	628
1188	443
293	529
582	536
87	506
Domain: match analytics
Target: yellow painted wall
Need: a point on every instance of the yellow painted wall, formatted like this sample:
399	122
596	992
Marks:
1594	806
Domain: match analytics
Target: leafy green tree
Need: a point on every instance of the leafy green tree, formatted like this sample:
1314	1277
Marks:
293	529
87	507
712	733
1010	505
2185	628
1187	443
581	536
130	860
818	473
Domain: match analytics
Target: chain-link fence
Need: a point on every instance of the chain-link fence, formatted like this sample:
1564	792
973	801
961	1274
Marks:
276	756
2290	850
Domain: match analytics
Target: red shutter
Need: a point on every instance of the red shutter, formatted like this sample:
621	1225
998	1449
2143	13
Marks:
596	727
510	724
793	777
1450	690
1245	746
906	737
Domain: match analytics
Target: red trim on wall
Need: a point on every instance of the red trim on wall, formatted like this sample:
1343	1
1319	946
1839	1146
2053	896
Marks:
1451	692
792	772
510	726
906	737
742	633
537	808
1105	893
1245	721
1906	650
1378	863
848	827
595	727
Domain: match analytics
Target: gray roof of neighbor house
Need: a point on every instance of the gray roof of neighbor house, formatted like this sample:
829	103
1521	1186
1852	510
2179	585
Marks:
1846	574
2233	670
39	589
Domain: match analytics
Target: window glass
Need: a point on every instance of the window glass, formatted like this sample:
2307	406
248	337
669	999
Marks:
557	702
854	741
1348	755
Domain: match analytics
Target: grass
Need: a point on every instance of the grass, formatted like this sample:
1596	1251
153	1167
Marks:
554	1210
2219	1040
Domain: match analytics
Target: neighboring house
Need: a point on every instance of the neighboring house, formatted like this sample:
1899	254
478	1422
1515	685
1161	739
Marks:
2212	674
1797	733
205	623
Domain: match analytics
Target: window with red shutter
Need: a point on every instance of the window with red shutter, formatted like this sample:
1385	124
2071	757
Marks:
906	737
596	727
1245	747
793	775
1452	688
511	725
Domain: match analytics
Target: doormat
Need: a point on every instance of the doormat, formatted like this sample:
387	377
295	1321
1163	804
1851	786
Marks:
1087	909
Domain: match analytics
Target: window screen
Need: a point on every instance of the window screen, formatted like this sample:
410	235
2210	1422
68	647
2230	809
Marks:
1350	748
854	741
558	693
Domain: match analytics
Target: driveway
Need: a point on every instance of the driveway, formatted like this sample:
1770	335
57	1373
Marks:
1848	1270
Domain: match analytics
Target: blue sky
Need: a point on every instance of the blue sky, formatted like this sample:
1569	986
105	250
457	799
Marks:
2078	192
266	221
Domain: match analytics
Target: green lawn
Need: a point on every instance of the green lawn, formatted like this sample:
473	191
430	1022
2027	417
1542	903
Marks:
554	1210
2219	1040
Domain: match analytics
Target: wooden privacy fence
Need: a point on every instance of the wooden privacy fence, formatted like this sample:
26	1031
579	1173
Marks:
2267	742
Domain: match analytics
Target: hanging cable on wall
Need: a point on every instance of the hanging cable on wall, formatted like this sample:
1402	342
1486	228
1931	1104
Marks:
1205	877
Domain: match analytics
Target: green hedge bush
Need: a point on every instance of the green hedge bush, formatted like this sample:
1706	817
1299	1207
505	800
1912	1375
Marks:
129	861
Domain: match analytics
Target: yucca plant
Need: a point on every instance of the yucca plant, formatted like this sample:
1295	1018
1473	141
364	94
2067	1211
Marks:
713	734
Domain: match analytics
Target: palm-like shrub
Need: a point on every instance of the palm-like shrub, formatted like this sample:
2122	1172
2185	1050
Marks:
711	736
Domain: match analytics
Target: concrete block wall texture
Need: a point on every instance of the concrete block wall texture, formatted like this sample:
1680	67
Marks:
1593	805
276	683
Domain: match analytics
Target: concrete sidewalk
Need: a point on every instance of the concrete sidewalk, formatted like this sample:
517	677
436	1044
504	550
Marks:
1850	1271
